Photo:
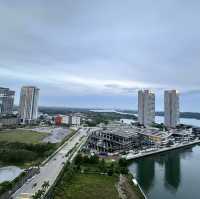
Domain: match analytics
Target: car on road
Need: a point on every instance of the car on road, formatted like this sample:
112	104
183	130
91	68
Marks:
34	185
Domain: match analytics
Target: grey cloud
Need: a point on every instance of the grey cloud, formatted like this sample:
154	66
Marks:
153	43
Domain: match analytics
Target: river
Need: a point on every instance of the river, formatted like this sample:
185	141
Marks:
172	175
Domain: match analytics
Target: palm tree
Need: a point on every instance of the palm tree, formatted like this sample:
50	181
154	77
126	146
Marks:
45	185
39	194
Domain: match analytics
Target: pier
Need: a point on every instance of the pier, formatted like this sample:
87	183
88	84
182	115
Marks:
132	156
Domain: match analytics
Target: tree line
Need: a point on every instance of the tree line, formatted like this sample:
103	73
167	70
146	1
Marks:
13	153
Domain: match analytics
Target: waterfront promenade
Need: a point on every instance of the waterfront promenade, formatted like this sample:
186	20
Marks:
132	156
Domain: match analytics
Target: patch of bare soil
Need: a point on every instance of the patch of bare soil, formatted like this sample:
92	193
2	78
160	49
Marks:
125	190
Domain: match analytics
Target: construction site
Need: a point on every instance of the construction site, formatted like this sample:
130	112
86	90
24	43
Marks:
114	137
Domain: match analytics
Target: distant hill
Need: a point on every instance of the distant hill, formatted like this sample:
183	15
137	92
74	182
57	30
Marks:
184	115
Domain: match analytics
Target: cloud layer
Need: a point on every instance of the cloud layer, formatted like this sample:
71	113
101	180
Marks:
97	50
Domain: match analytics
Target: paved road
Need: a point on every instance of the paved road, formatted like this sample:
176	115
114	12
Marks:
52	168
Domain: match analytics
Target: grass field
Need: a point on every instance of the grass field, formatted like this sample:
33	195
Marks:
88	186
19	135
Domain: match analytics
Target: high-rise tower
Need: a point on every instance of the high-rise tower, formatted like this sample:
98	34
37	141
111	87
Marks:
146	107
28	109
171	103
6	100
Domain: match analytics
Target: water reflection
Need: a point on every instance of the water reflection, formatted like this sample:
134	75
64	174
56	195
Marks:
170	175
172	171
146	172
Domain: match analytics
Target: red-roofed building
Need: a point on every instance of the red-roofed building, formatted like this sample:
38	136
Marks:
58	120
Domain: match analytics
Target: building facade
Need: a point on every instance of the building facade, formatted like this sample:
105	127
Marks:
10	120
28	109
171	104
6	101
154	136
58	120
76	120
66	120
146	107
113	139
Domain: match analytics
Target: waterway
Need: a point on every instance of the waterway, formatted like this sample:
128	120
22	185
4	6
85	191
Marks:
159	119
171	175
188	121
9	173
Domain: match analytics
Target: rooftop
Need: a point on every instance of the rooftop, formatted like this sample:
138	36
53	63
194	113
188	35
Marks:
155	132
123	132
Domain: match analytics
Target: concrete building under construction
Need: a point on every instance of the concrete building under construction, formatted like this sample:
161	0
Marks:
113	139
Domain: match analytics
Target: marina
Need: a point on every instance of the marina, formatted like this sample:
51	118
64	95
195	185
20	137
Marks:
141	154
171	175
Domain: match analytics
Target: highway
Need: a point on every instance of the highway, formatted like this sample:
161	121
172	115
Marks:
50	170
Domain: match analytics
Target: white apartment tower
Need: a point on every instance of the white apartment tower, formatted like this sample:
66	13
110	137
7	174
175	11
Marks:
171	103
28	108
146	107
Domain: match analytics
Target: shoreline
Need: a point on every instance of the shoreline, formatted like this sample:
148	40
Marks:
137	156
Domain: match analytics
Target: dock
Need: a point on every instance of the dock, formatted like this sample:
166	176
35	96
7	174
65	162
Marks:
132	156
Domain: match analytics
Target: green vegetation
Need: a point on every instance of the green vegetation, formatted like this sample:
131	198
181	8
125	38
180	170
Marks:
94	164
90	178
24	154
22	136
61	110
100	117
89	186
24	147
41	193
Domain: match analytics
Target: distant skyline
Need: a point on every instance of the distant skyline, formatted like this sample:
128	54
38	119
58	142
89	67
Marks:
99	53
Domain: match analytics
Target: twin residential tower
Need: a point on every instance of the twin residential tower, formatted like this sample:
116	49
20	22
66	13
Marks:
146	108
171	103
28	107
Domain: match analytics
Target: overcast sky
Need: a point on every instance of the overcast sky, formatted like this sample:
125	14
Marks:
98	53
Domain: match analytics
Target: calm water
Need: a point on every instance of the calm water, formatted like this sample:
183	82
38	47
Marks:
160	119
189	121
9	173
172	175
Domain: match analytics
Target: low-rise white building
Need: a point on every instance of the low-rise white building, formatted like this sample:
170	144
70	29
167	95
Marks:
76	121
155	136
65	119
